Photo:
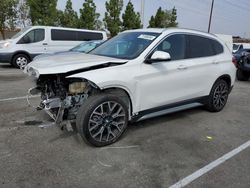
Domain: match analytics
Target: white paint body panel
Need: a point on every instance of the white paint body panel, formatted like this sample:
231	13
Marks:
227	39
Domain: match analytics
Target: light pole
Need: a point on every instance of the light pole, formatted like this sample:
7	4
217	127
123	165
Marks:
210	18
142	11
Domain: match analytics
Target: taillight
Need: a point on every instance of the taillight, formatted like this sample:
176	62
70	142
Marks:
234	61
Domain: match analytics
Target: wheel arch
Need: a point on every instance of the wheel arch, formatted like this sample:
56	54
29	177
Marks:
226	78
21	52
123	93
118	89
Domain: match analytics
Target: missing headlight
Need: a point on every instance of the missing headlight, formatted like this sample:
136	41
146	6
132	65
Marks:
77	87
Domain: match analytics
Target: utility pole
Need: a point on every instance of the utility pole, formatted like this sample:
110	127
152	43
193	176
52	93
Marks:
211	15
142	11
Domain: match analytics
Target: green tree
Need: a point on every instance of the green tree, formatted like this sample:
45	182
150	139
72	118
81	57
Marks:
112	16
131	19
164	18
7	15
88	15
152	22
173	18
69	18
43	12
60	17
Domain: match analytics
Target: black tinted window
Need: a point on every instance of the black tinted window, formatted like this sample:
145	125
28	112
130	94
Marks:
218	48
67	35
89	36
33	36
175	45
199	47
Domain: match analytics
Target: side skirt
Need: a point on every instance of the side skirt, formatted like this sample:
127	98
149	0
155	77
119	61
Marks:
170	108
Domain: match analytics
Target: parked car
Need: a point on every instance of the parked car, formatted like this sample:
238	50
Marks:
32	41
240	53
240	46
242	61
136	75
84	47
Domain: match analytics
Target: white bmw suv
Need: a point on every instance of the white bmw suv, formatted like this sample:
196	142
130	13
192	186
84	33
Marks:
136	75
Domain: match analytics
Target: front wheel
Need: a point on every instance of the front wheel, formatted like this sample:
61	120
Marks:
218	96
20	61
102	119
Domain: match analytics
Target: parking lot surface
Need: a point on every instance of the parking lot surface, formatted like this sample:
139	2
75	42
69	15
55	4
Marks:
154	153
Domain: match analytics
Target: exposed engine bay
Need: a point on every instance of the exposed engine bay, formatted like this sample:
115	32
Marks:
60	97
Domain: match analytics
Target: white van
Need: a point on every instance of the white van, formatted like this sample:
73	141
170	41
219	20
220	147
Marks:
32	41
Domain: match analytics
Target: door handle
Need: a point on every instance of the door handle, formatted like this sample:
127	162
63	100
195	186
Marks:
215	62
45	44
182	67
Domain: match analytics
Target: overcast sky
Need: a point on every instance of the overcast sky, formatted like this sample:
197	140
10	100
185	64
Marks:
229	16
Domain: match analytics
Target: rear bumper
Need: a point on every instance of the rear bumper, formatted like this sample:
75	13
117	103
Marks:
5	57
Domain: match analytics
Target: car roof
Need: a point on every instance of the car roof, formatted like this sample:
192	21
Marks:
65	28
175	30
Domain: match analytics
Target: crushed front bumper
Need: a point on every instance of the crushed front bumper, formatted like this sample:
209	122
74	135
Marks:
54	107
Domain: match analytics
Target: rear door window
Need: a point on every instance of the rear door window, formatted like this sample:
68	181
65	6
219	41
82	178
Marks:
63	35
83	35
68	35
218	48
199	47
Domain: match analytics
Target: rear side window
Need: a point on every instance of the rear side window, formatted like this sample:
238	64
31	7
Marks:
218	48
67	35
89	36
199	47
33	36
175	45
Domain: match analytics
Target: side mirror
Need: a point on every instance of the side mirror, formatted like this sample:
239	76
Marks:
158	56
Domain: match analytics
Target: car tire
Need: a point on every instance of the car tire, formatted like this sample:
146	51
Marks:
20	61
218	96
102	119
241	75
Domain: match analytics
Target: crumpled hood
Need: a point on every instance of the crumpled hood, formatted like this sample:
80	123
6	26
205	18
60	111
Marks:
63	63
45	55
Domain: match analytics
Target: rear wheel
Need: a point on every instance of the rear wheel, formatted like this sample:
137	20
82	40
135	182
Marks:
102	119
218	96
241	75
20	61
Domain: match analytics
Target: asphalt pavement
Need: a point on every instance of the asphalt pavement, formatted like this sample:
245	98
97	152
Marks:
159	152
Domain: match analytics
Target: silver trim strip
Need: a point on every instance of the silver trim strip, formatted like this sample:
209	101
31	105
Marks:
170	110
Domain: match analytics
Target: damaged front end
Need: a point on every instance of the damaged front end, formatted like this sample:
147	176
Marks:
61	97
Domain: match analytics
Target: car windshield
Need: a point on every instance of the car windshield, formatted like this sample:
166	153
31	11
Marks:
20	32
85	47
128	45
236	46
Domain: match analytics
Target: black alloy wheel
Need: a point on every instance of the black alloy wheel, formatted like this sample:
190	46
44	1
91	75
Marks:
102	119
218	96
